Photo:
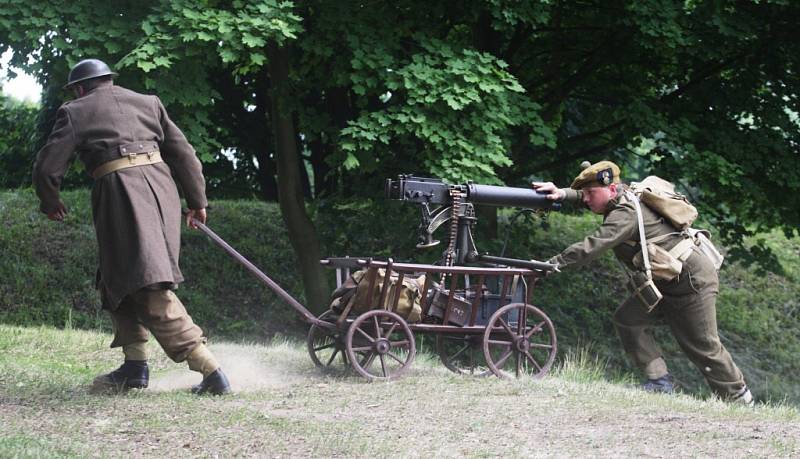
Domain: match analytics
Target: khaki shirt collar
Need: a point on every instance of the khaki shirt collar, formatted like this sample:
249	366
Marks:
615	201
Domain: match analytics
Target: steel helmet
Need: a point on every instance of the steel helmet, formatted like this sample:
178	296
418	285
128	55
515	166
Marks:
86	70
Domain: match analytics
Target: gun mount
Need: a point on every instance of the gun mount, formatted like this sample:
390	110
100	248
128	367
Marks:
456	204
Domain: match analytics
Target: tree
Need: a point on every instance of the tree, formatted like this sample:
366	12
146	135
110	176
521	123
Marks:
703	93
187	42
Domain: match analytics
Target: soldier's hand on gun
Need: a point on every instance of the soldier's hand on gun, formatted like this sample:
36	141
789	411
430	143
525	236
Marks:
195	214
553	192
552	261
59	213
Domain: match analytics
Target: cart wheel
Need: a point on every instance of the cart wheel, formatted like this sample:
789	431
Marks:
462	354
519	340
380	345
325	344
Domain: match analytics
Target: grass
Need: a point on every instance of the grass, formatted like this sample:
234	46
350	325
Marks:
759	314
284	407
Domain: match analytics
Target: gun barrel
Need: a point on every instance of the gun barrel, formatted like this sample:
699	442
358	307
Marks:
508	196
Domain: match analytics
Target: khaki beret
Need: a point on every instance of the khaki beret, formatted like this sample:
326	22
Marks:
603	173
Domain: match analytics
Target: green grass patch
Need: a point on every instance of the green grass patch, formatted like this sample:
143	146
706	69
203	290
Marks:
29	447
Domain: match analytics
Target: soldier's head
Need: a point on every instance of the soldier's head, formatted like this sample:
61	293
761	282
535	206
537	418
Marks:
87	75
599	183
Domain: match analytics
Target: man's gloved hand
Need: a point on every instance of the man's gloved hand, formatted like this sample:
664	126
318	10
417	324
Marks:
553	192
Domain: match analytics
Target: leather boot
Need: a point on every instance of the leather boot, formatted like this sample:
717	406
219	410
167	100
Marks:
665	384
132	374
215	384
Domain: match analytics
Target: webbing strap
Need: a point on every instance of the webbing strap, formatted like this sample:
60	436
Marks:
642	240
132	160
682	250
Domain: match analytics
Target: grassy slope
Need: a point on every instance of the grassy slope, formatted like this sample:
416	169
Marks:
285	408
52	283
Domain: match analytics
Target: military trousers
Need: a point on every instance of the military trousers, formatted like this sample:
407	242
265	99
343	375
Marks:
161	313
689	309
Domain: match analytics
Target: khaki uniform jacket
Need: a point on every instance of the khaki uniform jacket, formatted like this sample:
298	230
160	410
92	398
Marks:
620	225
136	211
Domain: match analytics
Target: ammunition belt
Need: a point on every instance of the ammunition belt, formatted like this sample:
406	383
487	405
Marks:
455	197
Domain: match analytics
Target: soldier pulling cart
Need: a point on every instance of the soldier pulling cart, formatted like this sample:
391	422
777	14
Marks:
480	316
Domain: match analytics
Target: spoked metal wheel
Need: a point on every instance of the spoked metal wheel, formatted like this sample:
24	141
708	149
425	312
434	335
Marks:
462	354
380	345
519	340
325	344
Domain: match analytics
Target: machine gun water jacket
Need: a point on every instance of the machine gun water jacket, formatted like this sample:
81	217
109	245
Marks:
136	211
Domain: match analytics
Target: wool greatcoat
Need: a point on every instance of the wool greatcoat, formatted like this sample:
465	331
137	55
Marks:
688	305
136	211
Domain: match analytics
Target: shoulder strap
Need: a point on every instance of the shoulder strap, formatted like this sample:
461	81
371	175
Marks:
643	242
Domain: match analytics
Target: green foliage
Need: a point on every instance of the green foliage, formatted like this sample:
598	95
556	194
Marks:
179	31
703	93
456	106
176	48
18	140
185	43
346	229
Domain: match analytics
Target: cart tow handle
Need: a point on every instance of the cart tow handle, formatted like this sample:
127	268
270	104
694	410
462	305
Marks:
257	272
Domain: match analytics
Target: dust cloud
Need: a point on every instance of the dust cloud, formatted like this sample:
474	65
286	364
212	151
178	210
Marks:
249	368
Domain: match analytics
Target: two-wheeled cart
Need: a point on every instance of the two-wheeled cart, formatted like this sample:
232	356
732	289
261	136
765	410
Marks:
481	318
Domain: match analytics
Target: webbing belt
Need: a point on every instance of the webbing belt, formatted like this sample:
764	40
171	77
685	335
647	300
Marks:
681	250
132	160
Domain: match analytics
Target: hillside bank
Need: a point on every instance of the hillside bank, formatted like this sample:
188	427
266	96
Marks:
48	273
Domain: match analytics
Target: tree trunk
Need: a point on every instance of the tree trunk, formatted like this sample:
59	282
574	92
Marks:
265	176
302	234
322	185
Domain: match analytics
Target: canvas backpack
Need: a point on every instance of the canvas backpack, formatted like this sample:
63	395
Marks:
660	196
355	293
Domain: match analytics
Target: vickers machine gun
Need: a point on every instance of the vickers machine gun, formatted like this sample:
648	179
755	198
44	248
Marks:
456	204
